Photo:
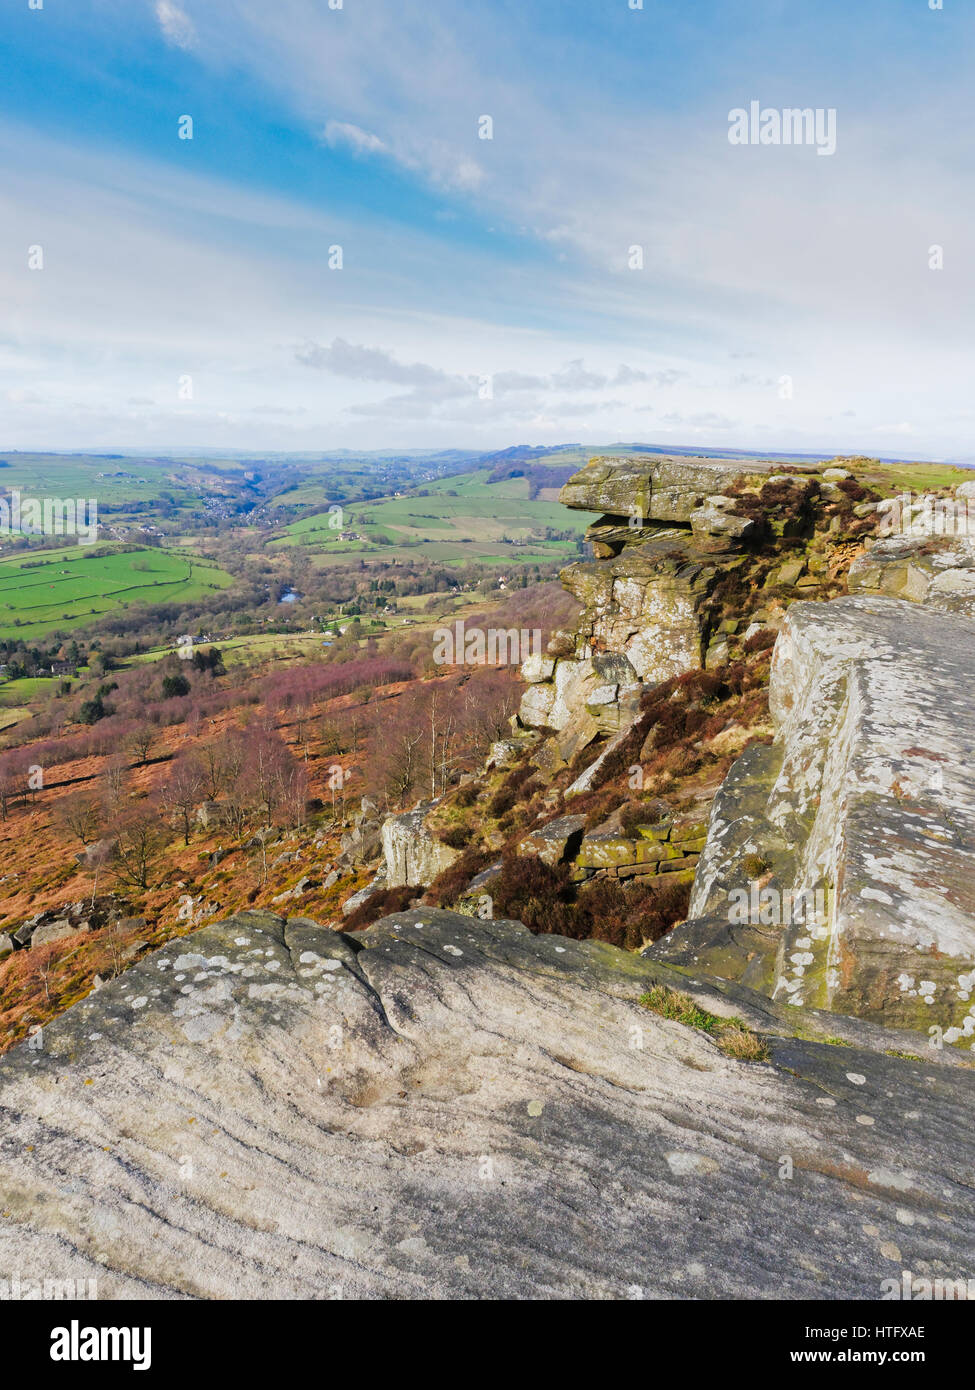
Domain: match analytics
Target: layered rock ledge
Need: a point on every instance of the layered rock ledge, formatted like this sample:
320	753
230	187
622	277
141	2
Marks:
443	1108
660	489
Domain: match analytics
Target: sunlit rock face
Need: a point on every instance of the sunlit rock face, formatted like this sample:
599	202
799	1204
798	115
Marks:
655	489
664	538
868	797
937	571
413	855
645	603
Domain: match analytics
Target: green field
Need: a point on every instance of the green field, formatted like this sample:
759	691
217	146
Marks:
45	591
86	476
889	478
462	518
234	650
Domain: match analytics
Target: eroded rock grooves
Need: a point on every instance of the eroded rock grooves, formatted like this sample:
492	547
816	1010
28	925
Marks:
448	1108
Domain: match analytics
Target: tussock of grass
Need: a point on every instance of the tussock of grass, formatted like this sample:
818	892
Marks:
670	1003
743	1044
732	1035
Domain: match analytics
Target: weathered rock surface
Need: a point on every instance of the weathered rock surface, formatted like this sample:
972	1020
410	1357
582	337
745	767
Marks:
715	520
642	622
57	923
57	930
645	604
556	841
867	795
667	537
937	571
414	856
656	488
449	1108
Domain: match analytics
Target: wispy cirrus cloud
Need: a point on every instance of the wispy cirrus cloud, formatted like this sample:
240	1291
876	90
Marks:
346	135
434	162
177	27
505	254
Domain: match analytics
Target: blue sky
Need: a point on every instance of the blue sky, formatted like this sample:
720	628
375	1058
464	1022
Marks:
487	293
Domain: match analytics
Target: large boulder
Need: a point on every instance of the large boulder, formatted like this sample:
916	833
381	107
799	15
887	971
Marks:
555	842
49	932
601	686
413	854
444	1108
838	867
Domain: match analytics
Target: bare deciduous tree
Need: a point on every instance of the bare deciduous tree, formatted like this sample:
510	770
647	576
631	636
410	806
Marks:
181	791
80	814
141	836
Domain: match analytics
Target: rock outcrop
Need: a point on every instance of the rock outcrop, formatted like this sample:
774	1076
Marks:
413	854
935	570
645	603
667	536
668	542
447	1108
57	924
857	825
651	487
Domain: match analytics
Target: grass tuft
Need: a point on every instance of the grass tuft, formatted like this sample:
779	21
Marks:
733	1036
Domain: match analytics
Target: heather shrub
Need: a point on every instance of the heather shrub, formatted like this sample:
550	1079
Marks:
535	893
502	801
636	813
761	640
455	836
381	905
447	887
627	916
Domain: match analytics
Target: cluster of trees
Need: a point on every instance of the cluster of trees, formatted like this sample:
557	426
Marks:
19	782
37	658
251	773
145	690
433	731
300	687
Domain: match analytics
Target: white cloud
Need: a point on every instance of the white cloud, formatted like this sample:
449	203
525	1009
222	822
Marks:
816	269
343	133
175	23
453	396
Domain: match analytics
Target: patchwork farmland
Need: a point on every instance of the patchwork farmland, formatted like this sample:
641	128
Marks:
63	589
454	520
